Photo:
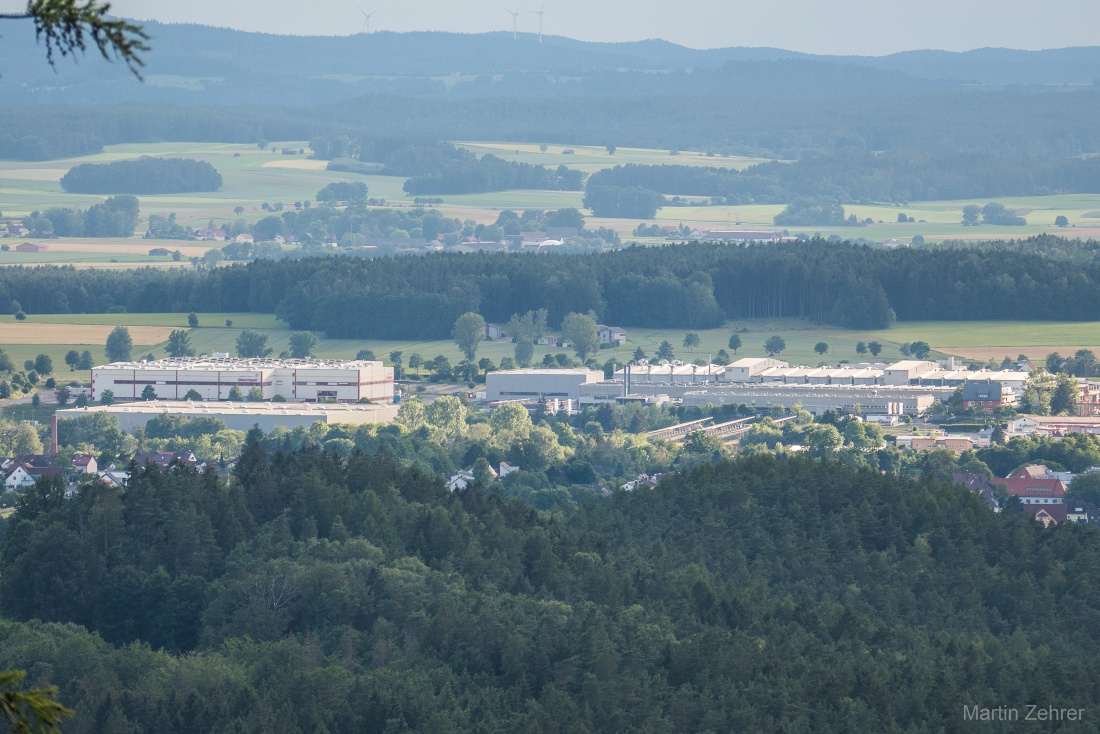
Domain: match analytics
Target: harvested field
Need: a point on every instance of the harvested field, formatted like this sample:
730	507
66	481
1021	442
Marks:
301	165
32	333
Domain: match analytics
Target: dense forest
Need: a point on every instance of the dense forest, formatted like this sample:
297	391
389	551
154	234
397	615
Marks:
865	177
490	173
1004	123
686	286
326	595
144	175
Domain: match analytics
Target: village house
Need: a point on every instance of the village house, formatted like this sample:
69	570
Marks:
163	460
977	484
20	475
85	464
494	331
983	394
611	334
209	235
1039	490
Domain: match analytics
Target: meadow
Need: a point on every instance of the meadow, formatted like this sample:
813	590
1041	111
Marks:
57	334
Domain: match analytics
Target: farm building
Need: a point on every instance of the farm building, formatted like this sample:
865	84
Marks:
297	380
31	247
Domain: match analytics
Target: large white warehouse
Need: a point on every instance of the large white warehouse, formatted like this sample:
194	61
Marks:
534	383
305	380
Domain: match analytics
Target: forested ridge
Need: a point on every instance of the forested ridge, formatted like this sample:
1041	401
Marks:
692	286
865	176
1008	123
759	595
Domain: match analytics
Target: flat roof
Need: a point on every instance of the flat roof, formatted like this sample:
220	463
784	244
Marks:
543	372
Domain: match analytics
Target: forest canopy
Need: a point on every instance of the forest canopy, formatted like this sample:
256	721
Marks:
327	594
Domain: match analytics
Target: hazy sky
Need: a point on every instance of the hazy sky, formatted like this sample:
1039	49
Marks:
868	27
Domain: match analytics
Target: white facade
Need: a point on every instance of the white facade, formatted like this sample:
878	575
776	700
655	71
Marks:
535	384
299	380
242	416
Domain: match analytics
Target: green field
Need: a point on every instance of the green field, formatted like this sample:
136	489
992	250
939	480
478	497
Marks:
592	158
252	177
970	339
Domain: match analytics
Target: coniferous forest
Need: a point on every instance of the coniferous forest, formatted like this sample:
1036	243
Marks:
692	286
317	594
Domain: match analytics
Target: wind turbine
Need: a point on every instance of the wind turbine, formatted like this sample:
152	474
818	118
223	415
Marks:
515	15
539	14
366	18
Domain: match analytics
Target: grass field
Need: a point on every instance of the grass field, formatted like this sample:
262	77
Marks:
979	340
252	177
592	158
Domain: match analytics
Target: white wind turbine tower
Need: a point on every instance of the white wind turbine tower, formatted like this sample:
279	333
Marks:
366	18
515	16
539	14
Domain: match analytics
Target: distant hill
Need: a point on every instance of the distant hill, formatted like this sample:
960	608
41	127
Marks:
194	64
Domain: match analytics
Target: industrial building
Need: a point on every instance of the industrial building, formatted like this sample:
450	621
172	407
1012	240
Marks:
871	399
297	380
242	416
535	384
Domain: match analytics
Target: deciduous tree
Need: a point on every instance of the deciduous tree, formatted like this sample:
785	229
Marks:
119	345
468	333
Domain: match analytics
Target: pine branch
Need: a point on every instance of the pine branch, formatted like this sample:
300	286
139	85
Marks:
68	26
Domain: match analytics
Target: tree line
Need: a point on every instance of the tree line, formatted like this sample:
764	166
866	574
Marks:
490	173
690	286
117	216
144	175
891	176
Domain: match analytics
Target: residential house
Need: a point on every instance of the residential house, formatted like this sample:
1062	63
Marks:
164	459
916	443
977	484
14	230
461	480
494	331
506	469
23	475
611	334
982	394
114	477
85	464
1034	486
31	247
1047	514
245	239
1082	512
209	235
